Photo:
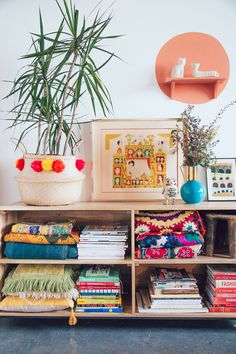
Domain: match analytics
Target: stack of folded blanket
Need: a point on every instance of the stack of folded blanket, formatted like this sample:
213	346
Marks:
39	288
174	234
41	241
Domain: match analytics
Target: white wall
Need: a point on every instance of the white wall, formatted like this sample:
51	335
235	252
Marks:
147	25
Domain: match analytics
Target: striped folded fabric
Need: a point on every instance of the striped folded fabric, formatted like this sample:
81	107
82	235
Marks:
46	229
58	239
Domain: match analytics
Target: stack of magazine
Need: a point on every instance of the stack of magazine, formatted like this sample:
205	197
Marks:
220	288
99	289
170	291
103	242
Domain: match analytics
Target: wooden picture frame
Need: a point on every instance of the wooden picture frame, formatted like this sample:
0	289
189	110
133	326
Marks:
132	158
221	180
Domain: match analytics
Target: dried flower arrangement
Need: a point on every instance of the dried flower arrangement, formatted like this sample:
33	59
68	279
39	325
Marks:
197	140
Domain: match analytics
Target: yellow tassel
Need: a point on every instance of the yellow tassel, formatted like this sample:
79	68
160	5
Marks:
72	318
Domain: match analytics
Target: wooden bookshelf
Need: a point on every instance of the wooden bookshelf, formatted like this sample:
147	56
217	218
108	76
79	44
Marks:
110	213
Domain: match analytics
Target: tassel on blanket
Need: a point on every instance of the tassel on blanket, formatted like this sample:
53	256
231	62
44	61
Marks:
72	319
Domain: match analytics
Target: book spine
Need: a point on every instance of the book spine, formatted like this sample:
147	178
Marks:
216	309
176	291
230	309
225	301
224	276
225	290
97	292
224	283
99	309
98	302
99	297
99	305
100	284
99	280
91	288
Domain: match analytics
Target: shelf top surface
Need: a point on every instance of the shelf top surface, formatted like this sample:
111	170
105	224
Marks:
127	261
191	79
125	206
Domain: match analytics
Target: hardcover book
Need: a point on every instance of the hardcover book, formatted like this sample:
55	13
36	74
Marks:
222	271
169	275
99	273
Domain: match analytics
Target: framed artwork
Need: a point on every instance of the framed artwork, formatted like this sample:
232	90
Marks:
221	179
132	158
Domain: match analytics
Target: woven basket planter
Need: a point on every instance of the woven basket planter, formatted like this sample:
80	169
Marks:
49	187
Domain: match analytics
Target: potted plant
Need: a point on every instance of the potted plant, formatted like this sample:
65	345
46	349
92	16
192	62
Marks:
197	142
61	69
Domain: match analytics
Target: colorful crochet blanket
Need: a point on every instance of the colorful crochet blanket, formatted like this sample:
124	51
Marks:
177	252
46	229
43	239
167	222
171	240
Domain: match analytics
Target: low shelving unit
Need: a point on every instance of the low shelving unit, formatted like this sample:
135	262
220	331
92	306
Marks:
132	270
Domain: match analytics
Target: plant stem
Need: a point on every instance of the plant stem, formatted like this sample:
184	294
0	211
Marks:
45	145
59	132
39	136
70	130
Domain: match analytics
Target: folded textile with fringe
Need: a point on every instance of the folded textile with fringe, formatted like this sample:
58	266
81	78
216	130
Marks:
31	251
177	252
72	294
58	239
49	228
54	278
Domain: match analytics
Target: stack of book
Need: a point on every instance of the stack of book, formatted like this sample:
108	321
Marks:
170	291
103	242
220	288
99	289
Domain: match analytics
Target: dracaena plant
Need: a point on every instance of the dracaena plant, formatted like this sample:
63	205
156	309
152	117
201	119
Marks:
61	69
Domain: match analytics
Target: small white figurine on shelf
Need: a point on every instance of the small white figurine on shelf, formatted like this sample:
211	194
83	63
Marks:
170	190
198	73
178	69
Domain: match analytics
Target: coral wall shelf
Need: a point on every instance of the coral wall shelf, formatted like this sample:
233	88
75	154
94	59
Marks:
213	81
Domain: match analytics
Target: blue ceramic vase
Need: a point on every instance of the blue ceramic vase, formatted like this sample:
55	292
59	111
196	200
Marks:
193	191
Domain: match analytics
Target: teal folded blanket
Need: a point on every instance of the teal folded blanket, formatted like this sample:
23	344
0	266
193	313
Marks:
32	251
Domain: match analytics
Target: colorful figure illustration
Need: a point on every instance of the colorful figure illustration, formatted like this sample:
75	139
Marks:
140	163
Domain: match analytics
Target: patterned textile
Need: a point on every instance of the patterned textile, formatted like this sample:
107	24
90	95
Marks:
167	222
39	277
43	239
30	251
46	229
172	240
16	304
177	252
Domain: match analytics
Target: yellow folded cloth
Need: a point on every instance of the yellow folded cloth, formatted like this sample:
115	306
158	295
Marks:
16	304
43	239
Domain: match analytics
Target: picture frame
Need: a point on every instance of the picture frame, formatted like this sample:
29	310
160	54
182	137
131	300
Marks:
221	180
132	158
